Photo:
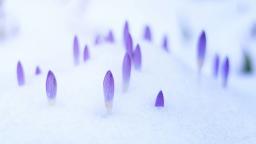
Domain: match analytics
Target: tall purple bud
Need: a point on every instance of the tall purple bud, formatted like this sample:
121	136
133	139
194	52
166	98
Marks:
136	56
216	64
86	55
225	71
201	49
159	100
147	33
110	37
126	71
20	74
165	43
129	44
108	89
126	32
51	86
76	50
38	70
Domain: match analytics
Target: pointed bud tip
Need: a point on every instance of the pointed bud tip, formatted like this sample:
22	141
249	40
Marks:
159	100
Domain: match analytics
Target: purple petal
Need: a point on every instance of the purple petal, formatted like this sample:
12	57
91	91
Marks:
110	37
126	32
165	44
38	70
20	74
225	71
51	86
129	44
137	57
86	53
76	51
147	33
126	71
108	89
159	100
216	65
201	49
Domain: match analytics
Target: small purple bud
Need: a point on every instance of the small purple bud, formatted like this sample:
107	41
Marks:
159	100
225	71
165	44
86	53
201	49
137	57
110	37
51	86
97	40
126	31
38	70
20	74
216	64
126	71
108	89
147	33
76	51
129	44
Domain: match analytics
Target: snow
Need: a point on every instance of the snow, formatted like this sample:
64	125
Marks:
197	109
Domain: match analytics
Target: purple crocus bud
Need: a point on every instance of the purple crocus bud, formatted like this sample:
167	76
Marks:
136	56
225	71
110	37
76	51
159	100
20	74
86	53
126	32
126	71
201	49
51	86
147	33
38	70
108	89
97	40
216	64
165	44
129	44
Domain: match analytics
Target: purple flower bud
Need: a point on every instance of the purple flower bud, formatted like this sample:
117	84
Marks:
126	71
129	44
225	71
76	51
136	56
159	100
38	70
97	40
147	33
51	86
86	53
201	49
165	44
110	37
126	32
20	74
216	64
108	89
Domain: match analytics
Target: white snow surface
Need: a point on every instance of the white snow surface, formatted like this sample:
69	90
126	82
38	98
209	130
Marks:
198	110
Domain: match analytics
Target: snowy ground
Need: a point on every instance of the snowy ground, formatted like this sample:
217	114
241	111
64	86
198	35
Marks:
196	111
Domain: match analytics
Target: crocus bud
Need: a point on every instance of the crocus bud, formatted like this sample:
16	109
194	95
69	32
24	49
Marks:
147	33
129	44
20	74
110	37
97	40
159	100
108	89
125	32
137	57
51	86
225	71
216	64
38	70
201	50
126	71
76	51
165	43
86	53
